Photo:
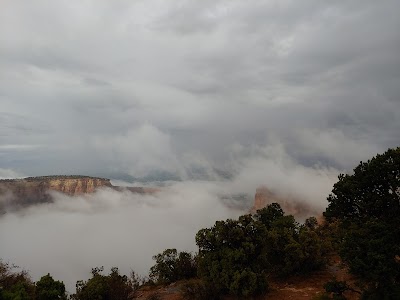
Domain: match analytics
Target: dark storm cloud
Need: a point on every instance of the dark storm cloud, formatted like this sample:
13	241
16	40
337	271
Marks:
206	75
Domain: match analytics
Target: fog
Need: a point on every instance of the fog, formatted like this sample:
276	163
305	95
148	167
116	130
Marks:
110	228
207	99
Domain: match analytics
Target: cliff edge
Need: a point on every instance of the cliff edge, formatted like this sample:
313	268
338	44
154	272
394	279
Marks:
16	193
290	205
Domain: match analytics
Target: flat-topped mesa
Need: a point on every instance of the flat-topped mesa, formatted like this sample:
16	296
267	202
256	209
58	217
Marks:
291	206
31	190
72	185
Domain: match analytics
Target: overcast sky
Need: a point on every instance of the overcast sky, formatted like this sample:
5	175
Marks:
105	87
281	93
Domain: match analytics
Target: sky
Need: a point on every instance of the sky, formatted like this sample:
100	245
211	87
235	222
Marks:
137	87
222	96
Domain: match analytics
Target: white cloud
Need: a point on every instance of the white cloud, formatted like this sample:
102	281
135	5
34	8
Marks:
69	237
139	151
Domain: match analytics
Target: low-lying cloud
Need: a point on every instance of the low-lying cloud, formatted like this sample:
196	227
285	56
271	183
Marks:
224	96
111	228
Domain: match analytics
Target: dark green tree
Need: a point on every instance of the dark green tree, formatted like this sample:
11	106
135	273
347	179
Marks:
232	256
236	256
367	206
269	214
104	287
49	289
172	265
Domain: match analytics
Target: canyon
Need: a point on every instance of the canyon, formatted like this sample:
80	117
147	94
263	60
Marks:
17	193
290	205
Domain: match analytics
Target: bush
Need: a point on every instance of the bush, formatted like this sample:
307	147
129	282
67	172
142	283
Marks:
236	256
232	256
172	266
14	284
49	289
111	287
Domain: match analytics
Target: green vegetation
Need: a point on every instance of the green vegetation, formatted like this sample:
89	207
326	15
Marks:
239	257
49	289
172	266
15	285
367	207
105	287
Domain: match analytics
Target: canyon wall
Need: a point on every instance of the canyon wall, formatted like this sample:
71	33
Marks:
31	190
17	193
291	205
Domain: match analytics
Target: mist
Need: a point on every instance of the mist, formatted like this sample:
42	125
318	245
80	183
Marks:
206	100
110	228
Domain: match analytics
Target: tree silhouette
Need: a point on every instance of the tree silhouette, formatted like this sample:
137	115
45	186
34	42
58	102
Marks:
367	206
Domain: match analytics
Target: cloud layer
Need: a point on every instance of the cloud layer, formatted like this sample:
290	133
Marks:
72	235
233	94
98	86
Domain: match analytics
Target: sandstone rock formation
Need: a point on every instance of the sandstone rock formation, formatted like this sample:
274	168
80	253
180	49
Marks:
292	206
16	193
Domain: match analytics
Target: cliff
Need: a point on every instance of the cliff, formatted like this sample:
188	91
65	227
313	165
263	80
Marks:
291	206
32	190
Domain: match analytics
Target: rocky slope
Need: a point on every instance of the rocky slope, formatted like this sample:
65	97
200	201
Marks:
15	193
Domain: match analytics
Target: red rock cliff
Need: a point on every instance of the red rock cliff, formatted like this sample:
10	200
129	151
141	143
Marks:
21	192
292	206
15	193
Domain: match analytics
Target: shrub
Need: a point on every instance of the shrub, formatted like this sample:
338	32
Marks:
172	266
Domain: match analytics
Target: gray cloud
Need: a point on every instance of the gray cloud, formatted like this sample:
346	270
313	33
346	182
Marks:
207	74
122	229
280	93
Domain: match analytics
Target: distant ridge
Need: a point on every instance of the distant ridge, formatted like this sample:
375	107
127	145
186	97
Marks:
46	177
22	192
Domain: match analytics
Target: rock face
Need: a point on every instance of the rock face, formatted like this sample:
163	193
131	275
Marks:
75	185
16	193
32	190
292	206
262	198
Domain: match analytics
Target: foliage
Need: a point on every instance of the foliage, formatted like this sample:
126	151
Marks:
49	289
236	256
136	281
15	285
367	207
269	214
232	256
104	287
172	266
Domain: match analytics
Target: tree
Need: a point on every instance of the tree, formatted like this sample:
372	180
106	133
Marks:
232	256
49	289
104	287
269	214
236	256
172	266
367	206
15	285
